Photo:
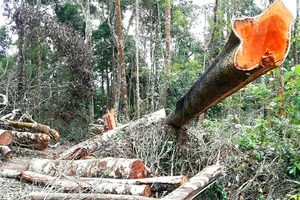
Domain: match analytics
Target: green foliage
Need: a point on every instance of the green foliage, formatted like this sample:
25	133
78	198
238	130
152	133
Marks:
71	14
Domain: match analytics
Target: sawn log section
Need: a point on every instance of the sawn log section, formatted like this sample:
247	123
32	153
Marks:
254	47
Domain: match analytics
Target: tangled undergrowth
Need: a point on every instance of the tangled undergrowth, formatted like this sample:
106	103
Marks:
262	161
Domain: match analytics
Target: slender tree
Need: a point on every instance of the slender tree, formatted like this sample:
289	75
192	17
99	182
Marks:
137	21
121	64
168	37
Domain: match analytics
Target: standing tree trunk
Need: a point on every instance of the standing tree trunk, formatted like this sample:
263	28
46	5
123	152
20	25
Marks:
88	50
168	37
121	64
137	96
254	47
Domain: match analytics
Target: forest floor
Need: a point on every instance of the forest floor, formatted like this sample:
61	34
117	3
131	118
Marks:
13	189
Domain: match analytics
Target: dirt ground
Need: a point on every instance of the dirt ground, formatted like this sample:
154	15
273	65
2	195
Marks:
12	189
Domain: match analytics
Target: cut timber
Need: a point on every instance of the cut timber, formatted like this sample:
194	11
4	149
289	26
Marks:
35	126
254	47
71	196
106	167
196	184
5	137
67	185
99	142
37	141
5	151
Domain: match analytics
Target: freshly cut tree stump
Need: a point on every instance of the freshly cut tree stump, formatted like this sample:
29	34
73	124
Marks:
106	167
99	142
5	151
72	196
37	141
254	47
196	184
5	137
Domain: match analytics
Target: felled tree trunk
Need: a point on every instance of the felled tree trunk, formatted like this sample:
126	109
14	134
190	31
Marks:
69	196
254	47
66	184
106	167
35	126
5	152
37	141
196	184
5	137
101	141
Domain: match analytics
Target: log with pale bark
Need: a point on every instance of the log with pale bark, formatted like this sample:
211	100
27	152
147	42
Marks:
66	184
35	126
5	137
71	196
254	47
196	184
105	167
5	152
37	141
100	142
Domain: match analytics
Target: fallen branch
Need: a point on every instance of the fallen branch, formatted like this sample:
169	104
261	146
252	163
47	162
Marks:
194	186
254	47
99	142
69	196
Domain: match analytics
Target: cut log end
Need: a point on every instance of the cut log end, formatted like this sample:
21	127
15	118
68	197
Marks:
265	39
5	137
137	170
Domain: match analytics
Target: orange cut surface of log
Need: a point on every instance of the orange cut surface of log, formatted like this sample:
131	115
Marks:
264	39
5	137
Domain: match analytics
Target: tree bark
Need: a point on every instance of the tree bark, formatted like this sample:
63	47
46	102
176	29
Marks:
67	184
37	141
69	196
5	151
100	142
105	167
196	184
35	126
121	63
137	95
168	37
254	47
5	137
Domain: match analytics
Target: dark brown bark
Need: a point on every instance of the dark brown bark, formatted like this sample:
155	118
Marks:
238	63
